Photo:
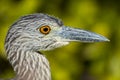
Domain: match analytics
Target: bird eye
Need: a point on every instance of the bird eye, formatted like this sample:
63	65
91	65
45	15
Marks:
45	29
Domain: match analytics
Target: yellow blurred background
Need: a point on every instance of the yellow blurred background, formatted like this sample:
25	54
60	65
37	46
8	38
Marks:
77	61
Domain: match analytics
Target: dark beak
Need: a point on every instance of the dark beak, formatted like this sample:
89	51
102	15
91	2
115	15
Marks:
72	34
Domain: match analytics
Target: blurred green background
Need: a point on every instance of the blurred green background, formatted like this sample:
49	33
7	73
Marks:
77	61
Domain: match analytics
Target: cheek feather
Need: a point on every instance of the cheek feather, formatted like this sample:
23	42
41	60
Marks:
56	45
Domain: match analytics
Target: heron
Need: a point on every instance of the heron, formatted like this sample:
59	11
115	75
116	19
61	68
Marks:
37	32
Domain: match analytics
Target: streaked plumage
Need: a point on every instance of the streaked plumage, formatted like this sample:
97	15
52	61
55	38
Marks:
25	39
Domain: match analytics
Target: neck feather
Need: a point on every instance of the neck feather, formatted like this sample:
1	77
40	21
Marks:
29	65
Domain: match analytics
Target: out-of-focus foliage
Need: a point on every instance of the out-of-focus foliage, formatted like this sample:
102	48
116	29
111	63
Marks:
77	61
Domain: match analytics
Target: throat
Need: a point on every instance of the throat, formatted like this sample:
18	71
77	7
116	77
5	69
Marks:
30	65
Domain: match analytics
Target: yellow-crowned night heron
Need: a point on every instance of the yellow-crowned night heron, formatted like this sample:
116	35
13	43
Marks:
36	32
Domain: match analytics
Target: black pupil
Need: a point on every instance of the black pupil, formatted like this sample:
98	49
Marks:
45	29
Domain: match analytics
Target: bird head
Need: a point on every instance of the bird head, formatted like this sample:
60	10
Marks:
44	32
